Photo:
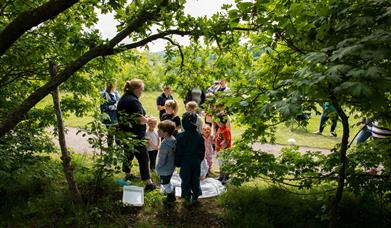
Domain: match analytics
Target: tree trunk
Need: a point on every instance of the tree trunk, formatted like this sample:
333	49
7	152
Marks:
65	155
342	171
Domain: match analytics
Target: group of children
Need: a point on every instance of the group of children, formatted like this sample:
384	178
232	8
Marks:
188	144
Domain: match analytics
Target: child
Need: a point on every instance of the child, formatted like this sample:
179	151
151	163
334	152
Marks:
190	151
209	151
153	141
223	141
171	114
165	164
192	106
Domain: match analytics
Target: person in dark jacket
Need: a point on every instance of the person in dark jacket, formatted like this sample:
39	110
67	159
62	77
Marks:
132	121
195	94
190	152
161	100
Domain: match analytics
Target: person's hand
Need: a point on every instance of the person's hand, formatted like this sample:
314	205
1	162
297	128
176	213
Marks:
224	144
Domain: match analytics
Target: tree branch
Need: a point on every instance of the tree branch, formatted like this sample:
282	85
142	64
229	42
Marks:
180	50
29	19
17	115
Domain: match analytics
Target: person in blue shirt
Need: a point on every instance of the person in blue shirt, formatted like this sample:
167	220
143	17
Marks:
111	97
161	100
165	164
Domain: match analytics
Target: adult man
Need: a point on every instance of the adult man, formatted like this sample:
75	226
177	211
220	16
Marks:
161	100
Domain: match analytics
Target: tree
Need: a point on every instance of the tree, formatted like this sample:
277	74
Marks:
305	53
319	53
142	16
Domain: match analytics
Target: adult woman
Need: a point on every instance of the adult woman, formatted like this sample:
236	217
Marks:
132	119
109	107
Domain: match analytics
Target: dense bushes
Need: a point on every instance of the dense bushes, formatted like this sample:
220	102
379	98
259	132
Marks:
39	197
250	206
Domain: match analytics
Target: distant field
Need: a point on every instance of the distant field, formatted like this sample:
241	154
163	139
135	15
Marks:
302	137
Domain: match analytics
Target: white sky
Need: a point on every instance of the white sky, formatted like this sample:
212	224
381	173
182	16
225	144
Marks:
196	8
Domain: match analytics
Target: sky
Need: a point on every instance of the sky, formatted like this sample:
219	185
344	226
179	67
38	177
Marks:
196	8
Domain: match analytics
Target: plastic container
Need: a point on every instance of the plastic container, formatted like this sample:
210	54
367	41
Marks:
133	195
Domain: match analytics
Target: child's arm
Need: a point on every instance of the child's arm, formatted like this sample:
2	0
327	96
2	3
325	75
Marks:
163	156
226	139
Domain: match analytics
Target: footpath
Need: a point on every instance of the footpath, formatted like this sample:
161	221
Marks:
79	144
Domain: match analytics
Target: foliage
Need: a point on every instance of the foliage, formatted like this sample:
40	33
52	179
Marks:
40	194
270	206
21	150
313	169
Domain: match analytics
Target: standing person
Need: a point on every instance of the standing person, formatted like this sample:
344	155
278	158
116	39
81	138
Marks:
223	86
213	88
171	108
223	141
190	151
328	111
132	119
162	98
165	165
192	106
111	96
208	140
153	142
195	94
366	130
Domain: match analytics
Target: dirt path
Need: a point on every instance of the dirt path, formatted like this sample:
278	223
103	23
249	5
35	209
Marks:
79	144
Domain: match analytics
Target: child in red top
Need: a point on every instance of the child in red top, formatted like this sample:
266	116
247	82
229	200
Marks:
223	140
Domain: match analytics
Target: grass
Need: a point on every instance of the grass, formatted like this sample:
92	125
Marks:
303	137
43	201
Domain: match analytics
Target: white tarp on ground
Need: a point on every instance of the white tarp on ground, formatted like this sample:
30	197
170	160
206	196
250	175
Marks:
210	187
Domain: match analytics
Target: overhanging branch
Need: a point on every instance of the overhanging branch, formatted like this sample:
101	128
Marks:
17	115
180	50
29	19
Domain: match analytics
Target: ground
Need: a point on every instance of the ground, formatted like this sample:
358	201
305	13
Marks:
206	214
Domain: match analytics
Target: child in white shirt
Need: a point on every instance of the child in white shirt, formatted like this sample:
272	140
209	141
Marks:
153	142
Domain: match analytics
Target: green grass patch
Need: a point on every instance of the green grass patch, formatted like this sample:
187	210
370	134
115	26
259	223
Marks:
303	137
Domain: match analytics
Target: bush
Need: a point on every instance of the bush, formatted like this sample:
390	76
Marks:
250	206
270	207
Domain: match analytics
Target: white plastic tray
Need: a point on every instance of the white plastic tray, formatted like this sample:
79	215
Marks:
133	195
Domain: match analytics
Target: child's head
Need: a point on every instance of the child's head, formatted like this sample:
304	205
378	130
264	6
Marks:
152	121
223	83
189	120
191	106
166	128
171	107
167	90
222	119
206	130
